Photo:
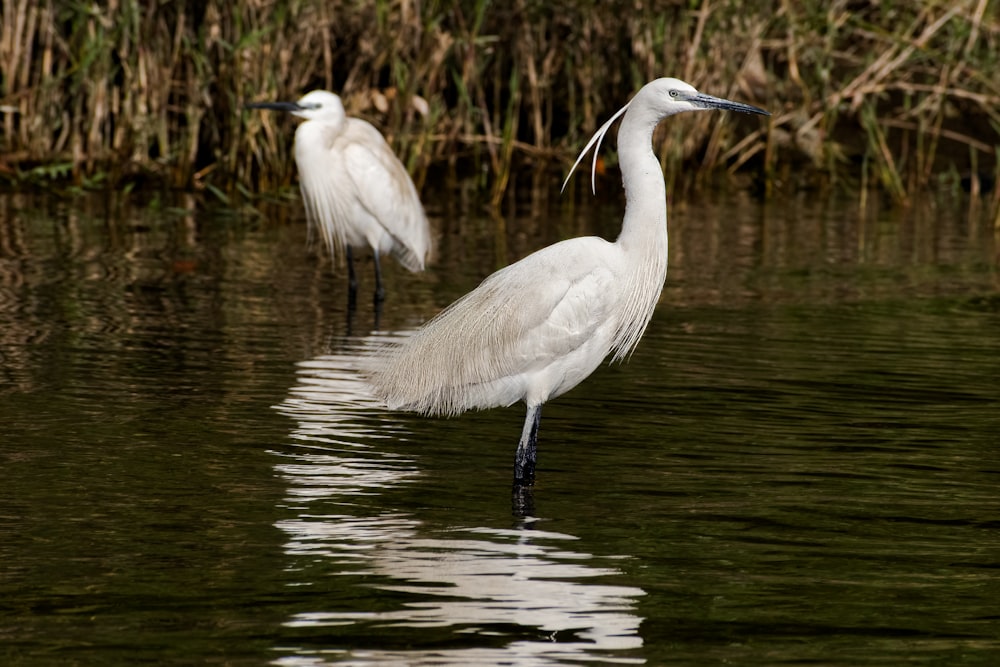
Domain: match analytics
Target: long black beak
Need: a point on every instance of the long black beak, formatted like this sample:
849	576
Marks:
709	102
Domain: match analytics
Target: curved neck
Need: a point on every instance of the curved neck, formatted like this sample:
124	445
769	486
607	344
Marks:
645	221
643	238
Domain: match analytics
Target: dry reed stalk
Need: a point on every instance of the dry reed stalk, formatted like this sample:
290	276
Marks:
888	171
890	61
133	86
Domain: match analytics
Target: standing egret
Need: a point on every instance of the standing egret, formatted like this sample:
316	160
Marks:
356	191
535	329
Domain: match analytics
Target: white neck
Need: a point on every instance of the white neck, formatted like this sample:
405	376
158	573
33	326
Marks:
645	219
644	229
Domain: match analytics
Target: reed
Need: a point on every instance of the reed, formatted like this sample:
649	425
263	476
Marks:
902	93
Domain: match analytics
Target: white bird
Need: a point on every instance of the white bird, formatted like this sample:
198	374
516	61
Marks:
536	328
355	189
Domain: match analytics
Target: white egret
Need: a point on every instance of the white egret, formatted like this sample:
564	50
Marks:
355	189
537	328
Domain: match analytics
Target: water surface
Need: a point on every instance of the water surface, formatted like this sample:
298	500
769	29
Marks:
798	464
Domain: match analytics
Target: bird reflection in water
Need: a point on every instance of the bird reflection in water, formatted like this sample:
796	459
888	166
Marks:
491	595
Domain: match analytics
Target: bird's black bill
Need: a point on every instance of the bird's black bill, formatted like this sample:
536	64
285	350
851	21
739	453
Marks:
277	106
709	102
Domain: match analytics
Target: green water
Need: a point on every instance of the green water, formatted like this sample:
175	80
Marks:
799	464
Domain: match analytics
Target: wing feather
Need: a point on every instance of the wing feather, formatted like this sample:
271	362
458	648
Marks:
386	191
519	320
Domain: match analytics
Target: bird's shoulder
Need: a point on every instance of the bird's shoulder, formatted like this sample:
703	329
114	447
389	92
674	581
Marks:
360	131
563	264
371	163
570	280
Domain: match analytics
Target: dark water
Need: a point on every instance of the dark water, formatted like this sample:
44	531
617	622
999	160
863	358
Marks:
800	464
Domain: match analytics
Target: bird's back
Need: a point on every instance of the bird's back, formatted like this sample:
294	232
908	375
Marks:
357	192
388	193
530	331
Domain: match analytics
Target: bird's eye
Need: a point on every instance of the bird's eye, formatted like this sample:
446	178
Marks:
674	93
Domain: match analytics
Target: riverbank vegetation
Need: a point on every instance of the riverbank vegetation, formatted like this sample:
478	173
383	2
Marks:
901	95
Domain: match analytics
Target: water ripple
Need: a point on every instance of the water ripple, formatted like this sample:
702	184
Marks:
522	594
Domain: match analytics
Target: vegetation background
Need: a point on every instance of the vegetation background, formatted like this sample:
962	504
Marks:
898	94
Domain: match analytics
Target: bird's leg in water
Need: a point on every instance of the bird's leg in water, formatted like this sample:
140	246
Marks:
522	501
379	290
524	459
352	280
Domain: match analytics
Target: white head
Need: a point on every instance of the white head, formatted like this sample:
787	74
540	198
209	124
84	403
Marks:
668	96
318	105
657	100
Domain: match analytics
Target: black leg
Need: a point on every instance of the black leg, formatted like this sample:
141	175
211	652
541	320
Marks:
352	281
527	448
379	290
522	501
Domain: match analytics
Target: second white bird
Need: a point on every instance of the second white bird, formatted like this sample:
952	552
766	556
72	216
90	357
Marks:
356	191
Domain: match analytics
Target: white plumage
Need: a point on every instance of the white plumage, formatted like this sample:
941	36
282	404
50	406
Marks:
356	191
535	329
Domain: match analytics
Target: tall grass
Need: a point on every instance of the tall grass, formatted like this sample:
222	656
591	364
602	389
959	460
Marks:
895	93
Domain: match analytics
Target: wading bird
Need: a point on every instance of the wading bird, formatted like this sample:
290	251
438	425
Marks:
535	329
356	191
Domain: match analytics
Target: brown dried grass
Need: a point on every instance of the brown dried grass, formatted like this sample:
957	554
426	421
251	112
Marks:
899	92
